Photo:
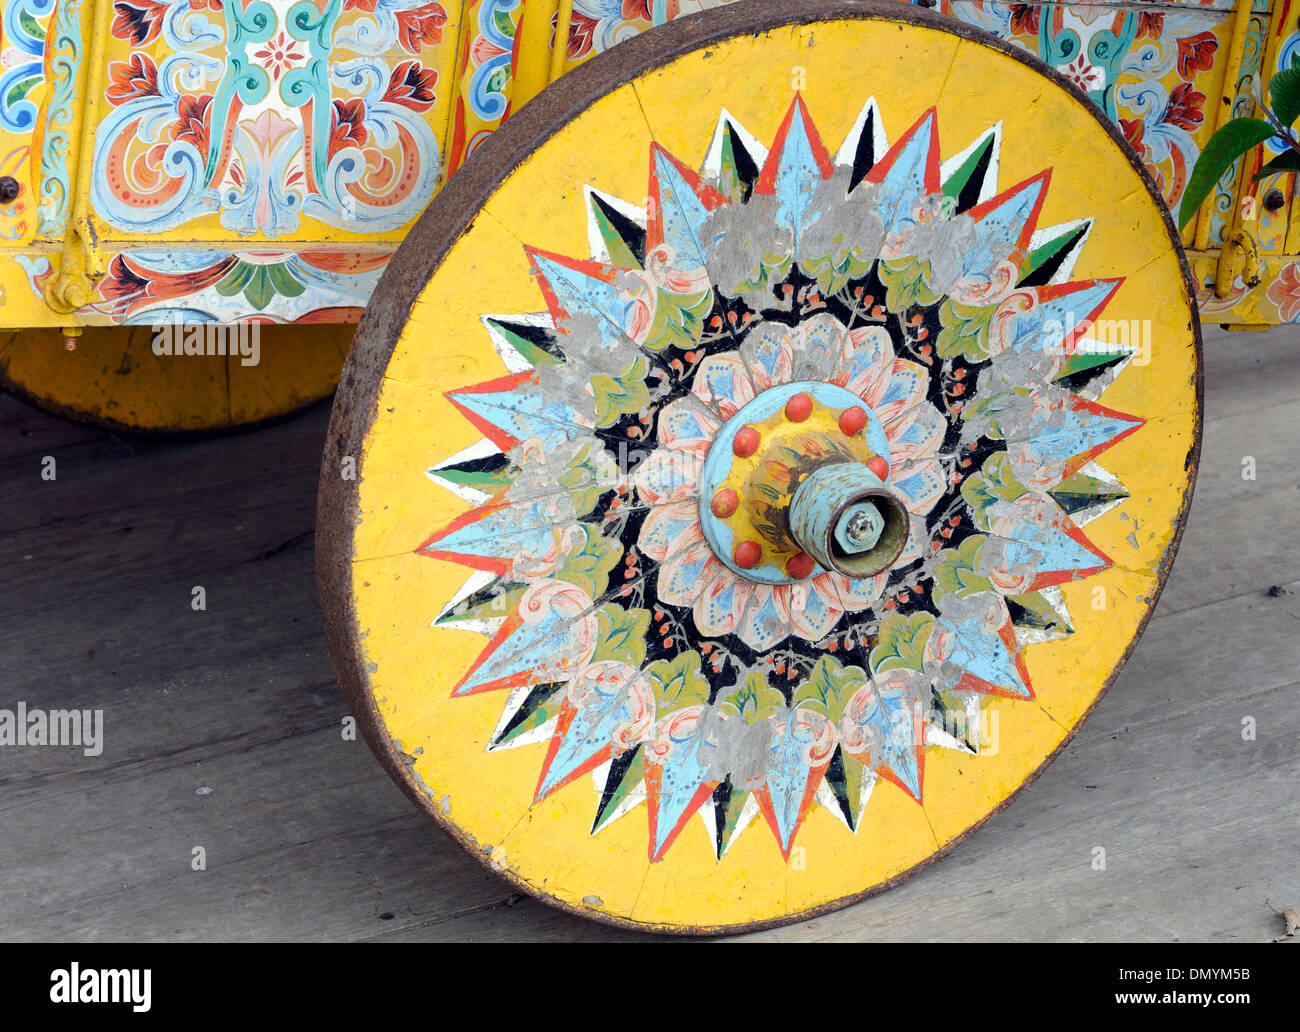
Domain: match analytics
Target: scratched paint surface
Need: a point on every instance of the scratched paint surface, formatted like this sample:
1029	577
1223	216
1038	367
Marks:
609	713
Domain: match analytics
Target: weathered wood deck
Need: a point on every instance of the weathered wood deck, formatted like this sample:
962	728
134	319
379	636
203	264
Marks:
223	726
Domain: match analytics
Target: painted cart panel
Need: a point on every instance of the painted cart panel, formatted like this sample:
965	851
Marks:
198	160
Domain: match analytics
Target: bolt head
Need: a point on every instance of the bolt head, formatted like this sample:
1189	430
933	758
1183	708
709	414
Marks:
725	503
879	466
746	442
799	407
852	420
747	554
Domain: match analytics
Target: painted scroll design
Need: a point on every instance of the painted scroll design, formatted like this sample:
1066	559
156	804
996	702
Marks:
1147	70
1225	193
484	89
65	66
647	670
25	32
281	111
148	286
23	89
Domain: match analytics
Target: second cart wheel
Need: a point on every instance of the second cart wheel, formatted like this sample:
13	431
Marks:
766	453
114	379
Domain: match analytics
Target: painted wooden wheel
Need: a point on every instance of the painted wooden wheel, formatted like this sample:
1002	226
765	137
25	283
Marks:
753	491
114	379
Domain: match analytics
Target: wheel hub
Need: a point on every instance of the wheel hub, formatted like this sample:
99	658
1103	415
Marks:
797	482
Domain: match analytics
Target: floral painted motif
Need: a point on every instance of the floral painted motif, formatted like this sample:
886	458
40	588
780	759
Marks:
1285	293
618	639
1087	77
762	614
485	88
266	116
1140	67
278	55
200	286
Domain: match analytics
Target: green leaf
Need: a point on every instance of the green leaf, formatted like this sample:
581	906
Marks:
965	331
587	477
1225	147
260	289
235	280
901	645
844	778
1284	94
622	634
625	773
834	271
995	482
679	320
535	343
542	704
905	284
956	183
1081	491
828	688
283	282
1043	262
954	570
589	566
754	699
623	395
624	239
1287	161
677	683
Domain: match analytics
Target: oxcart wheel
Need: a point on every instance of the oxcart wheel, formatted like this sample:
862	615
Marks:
115	380
728	542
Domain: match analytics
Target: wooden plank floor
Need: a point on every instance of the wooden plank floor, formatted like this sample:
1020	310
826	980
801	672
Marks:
222	728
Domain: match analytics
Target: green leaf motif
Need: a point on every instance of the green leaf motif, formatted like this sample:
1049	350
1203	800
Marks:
589	566
965	331
587	477
905	283
902	642
677	683
833	272
679	320
772	268
828	688
994	483
622	634
954	570
260	284
1224	148
623	395
754	699
535	717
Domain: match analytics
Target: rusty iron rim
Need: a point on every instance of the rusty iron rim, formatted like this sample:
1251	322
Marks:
454	211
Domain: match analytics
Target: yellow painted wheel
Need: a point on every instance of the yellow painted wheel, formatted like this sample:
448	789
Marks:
758	462
113	378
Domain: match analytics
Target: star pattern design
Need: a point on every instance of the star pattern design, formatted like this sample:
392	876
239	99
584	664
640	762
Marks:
624	650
